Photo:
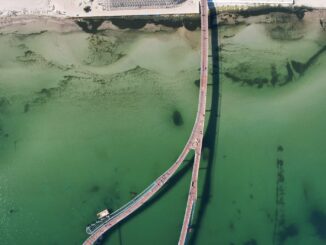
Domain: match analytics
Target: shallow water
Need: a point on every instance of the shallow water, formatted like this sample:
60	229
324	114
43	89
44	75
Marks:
268	173
81	132
89	121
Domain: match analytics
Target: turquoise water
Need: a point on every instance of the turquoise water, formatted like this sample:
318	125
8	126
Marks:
87	122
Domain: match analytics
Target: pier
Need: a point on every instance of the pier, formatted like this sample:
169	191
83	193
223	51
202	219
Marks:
194	143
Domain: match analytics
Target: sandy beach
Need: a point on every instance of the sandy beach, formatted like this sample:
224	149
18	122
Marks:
89	8
311	3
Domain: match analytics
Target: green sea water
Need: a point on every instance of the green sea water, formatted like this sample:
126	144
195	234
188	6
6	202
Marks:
84	129
87	121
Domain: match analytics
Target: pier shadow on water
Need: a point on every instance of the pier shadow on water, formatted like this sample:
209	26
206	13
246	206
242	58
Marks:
209	142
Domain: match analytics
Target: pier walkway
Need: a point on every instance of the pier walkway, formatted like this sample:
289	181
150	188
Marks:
192	196
194	143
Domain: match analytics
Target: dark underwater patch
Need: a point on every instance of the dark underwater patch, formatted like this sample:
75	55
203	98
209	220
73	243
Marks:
238	75
301	68
45	94
259	82
89	25
126	23
251	242
26	107
21	36
177	118
298	11
30	57
191	25
12	211
103	50
94	189
318	221
288	232
4	102
290	73
281	230
231	226
274	75
298	67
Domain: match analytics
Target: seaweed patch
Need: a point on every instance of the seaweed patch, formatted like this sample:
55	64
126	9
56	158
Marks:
45	94
103	50
30	58
239	74
21	36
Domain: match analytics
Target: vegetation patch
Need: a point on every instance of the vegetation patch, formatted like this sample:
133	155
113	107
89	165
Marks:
103	50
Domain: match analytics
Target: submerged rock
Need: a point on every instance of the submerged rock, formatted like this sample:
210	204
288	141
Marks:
177	118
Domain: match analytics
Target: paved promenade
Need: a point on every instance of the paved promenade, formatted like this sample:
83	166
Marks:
98	8
93	8
221	3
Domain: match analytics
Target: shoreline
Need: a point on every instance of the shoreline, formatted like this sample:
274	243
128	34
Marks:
190	21
101	8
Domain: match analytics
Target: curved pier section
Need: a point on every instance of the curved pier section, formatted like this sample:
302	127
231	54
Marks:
194	143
